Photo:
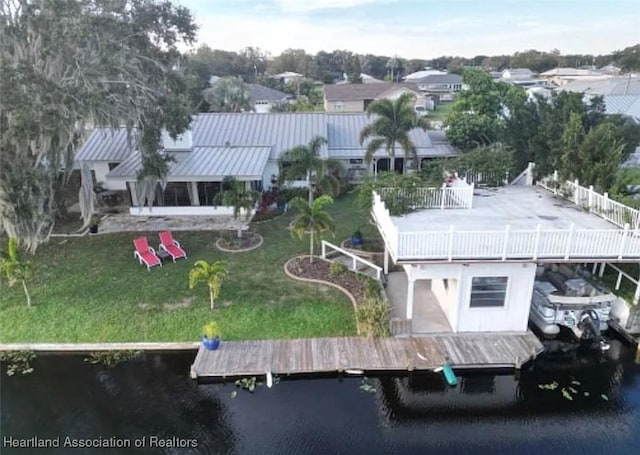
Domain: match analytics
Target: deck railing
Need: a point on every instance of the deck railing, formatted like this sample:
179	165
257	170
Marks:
596	203
565	244
355	259
459	195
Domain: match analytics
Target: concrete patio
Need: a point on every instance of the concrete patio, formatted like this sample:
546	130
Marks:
428	317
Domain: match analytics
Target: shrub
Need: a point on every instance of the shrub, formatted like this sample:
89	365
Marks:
266	215
337	269
372	289
373	317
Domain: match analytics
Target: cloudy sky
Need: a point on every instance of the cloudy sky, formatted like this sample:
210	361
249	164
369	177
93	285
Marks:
419	28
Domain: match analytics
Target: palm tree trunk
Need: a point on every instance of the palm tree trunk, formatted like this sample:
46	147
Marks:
240	232
26	293
211	296
392	160
309	188
311	248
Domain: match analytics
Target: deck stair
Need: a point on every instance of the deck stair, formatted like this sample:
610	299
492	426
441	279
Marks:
352	261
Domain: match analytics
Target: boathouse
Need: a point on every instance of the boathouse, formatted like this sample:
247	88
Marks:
468	256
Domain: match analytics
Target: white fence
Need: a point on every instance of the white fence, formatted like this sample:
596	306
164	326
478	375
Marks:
388	230
457	196
538	244
188	210
355	259
596	203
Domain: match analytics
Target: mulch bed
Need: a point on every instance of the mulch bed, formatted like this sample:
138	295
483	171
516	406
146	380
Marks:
230	240
319	270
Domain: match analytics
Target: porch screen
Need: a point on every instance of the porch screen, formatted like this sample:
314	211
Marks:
488	291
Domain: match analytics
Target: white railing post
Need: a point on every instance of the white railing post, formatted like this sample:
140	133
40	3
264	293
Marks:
602	266
568	250
324	250
576	195
536	243
450	243
353	264
636	296
619	280
444	193
386	259
471	195
623	243
506	242
590	197
605	206
555	182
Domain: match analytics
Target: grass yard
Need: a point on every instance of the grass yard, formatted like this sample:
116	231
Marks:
440	112
91	289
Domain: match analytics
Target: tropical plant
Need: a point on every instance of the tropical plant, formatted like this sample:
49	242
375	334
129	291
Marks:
312	219
304	161
229	94
15	270
211	330
213	275
238	197
373	316
390	127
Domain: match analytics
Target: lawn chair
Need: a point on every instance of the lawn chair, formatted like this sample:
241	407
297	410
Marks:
171	246
145	254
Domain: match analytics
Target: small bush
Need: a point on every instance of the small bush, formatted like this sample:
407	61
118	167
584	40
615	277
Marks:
337	269
372	289
266	215
373	317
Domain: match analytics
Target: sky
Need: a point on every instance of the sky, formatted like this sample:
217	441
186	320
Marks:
419	28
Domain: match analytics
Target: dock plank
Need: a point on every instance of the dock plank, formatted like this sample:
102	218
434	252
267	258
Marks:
326	355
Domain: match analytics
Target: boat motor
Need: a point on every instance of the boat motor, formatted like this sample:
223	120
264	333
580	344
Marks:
590	325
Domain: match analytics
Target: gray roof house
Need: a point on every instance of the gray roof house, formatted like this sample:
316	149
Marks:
246	146
264	98
357	97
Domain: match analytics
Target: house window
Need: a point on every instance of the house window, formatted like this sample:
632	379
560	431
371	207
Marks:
488	291
112	166
355	161
338	106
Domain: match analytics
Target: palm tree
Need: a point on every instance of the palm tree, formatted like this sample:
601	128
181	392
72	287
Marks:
391	125
312	219
212	275
238	197
305	160
14	269
229	94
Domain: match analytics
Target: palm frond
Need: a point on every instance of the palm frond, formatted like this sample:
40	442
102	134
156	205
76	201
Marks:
372	148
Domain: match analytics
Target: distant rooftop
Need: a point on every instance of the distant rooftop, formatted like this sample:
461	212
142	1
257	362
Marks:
354	92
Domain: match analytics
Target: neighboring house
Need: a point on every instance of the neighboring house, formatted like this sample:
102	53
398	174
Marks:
621	94
522	77
264	98
245	146
366	79
443	85
561	76
287	77
357	97
428	71
470	257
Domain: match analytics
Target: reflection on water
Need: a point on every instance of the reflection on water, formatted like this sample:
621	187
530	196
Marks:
412	414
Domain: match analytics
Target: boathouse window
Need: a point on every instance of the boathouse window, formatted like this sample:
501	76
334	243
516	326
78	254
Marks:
488	291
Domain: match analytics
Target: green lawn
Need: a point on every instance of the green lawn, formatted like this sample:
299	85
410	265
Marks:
91	289
440	112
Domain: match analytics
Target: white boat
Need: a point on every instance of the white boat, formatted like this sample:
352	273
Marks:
566	297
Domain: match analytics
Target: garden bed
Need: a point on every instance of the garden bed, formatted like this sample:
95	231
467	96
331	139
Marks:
230	242
267	215
320	270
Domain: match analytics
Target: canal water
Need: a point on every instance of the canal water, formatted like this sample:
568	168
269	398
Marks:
150	401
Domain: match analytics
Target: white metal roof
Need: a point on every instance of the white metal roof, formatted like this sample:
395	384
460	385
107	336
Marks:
108	144
205	164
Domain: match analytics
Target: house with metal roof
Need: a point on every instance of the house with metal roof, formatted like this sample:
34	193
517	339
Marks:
442	85
357	97
246	146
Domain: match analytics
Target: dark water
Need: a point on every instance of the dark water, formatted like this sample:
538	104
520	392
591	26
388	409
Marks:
152	396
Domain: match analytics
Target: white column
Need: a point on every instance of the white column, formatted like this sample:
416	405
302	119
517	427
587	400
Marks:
410	288
193	193
386	259
133	190
636	296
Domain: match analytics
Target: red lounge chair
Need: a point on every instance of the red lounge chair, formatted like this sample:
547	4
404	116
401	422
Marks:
171	246
145	254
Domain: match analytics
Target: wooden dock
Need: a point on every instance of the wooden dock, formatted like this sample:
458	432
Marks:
329	355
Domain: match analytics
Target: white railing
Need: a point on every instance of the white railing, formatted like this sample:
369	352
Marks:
621	274
388	230
566	244
355	259
596	203
457	196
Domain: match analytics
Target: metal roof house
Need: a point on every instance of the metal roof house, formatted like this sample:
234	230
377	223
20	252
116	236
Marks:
246	146
469	256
